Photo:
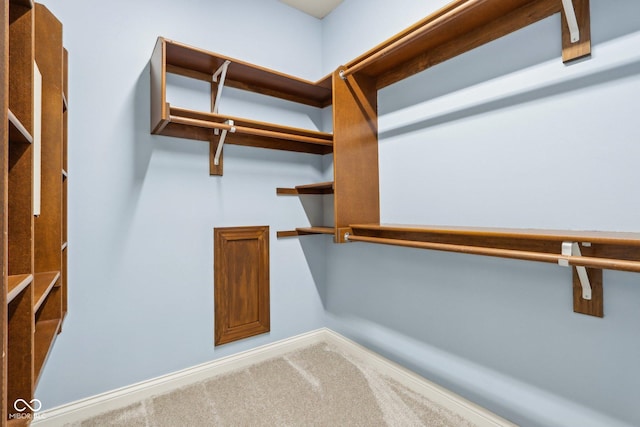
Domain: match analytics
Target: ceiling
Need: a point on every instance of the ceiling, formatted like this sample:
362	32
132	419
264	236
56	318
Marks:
317	8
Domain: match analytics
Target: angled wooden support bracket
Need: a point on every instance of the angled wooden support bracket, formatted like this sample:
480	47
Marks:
587	282
576	30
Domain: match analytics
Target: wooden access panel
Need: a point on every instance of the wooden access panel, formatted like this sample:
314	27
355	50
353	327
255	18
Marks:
241	282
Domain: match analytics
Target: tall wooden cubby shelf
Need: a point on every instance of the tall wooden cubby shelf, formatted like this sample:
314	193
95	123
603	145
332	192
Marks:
34	198
352	90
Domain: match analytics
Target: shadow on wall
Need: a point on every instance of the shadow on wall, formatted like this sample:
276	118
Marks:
605	76
315	249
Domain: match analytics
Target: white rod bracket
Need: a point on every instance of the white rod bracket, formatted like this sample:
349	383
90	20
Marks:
573	249
572	22
221	72
216	159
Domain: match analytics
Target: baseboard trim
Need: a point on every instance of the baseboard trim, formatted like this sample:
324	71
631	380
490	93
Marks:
125	396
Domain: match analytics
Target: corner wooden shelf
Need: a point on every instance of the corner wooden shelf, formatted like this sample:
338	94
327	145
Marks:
176	58
319	188
16	284
17	131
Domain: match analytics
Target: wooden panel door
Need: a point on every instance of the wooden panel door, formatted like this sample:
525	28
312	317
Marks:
241	282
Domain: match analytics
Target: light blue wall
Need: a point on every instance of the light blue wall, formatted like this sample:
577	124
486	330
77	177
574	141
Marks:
505	135
142	208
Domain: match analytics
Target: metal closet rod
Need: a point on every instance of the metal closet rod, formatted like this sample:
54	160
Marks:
249	131
577	261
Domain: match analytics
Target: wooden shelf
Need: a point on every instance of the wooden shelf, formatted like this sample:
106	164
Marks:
456	28
606	250
320	188
194	124
43	284
304	231
45	335
17	131
201	64
17	284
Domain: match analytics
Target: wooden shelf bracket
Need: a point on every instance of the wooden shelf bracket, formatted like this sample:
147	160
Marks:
572	249
572	21
232	129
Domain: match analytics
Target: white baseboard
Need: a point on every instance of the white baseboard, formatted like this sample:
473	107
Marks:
125	396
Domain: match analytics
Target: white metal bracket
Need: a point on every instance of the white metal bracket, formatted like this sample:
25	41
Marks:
216	159
572	21
573	249
221	72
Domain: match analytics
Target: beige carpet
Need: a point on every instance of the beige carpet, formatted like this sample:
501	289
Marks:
317	386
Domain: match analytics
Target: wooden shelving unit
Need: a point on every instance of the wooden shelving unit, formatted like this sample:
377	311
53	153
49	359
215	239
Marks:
352	89
33	150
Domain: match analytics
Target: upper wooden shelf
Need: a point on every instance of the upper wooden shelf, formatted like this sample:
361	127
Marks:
201	64
608	250
319	188
458	27
17	131
177	58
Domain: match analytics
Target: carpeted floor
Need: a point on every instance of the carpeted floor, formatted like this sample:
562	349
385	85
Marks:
317	386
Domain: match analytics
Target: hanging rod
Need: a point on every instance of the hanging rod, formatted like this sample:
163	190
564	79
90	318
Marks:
445	17
249	131
592	262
